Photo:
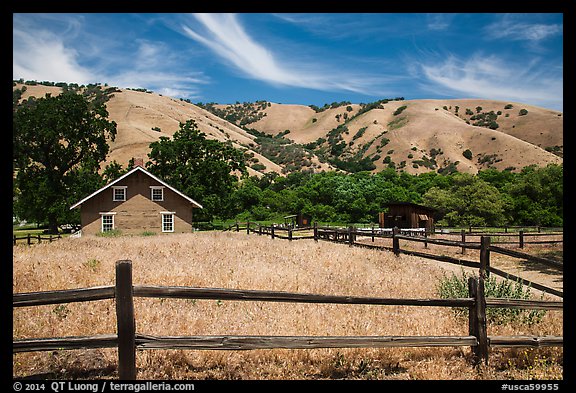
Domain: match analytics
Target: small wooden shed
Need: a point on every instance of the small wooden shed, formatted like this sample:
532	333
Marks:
407	215
136	202
298	220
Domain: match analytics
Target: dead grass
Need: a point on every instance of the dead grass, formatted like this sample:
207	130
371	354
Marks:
235	260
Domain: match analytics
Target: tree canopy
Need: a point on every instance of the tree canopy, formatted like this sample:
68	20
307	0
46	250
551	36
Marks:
58	145
204	169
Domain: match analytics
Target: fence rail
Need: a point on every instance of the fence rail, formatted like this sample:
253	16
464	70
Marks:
349	235
128	340
29	238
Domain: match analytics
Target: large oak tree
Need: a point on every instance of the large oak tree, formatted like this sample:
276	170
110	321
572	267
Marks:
204	169
58	145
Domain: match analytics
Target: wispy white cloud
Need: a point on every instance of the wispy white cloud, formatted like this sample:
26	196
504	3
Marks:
41	55
227	38
439	22
515	29
492	77
71	54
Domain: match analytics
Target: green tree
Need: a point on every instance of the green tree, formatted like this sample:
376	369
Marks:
468	201
537	196
58	145
204	169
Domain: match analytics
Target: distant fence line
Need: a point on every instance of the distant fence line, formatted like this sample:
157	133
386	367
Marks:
127	340
38	238
349	236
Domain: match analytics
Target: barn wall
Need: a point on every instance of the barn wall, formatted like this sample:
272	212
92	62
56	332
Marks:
410	214
138	213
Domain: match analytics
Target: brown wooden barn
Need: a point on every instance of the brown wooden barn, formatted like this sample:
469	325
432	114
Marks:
407	215
136	202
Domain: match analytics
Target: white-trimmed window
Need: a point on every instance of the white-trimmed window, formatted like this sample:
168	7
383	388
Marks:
157	193
107	220
167	221
119	193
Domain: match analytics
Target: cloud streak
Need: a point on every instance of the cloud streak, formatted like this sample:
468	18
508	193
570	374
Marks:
41	55
491	77
521	31
226	37
73	54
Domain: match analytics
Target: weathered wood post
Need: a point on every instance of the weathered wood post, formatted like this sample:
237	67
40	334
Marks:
395	241
372	233
272	231
14	239
315	231
125	321
521	238
425	238
350	236
484	257
463	233
237	227
290	233
477	319
29	239
247	227
39	238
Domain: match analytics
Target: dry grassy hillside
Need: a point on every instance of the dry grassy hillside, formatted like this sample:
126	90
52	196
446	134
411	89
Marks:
143	118
426	135
429	130
238	261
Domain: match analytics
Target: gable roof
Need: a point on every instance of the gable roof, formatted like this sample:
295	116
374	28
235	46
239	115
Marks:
392	204
137	168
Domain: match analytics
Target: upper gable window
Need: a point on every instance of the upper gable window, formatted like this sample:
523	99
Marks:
157	193
118	193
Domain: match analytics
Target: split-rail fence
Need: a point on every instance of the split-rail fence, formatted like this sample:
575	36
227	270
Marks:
350	236
128	341
38	238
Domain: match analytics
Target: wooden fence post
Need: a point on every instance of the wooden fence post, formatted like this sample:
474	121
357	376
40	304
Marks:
350	235
272	231
521	238
125	321
477	319
290	233
463	233
395	241
484	256
372	233
315	231
247	227
14	239
29	239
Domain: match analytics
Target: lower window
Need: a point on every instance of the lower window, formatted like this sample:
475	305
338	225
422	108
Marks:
107	222
167	222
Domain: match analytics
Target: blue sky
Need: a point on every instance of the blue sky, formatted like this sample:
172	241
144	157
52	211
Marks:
300	58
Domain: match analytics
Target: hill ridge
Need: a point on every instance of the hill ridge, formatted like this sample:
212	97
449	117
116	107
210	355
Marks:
415	136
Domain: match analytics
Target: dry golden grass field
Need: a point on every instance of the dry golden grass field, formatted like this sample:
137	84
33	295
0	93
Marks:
240	261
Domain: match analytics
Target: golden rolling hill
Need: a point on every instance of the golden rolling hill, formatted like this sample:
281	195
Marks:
411	135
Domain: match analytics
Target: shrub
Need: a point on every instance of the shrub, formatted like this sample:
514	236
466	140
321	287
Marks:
467	153
522	112
399	110
509	106
112	233
457	287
